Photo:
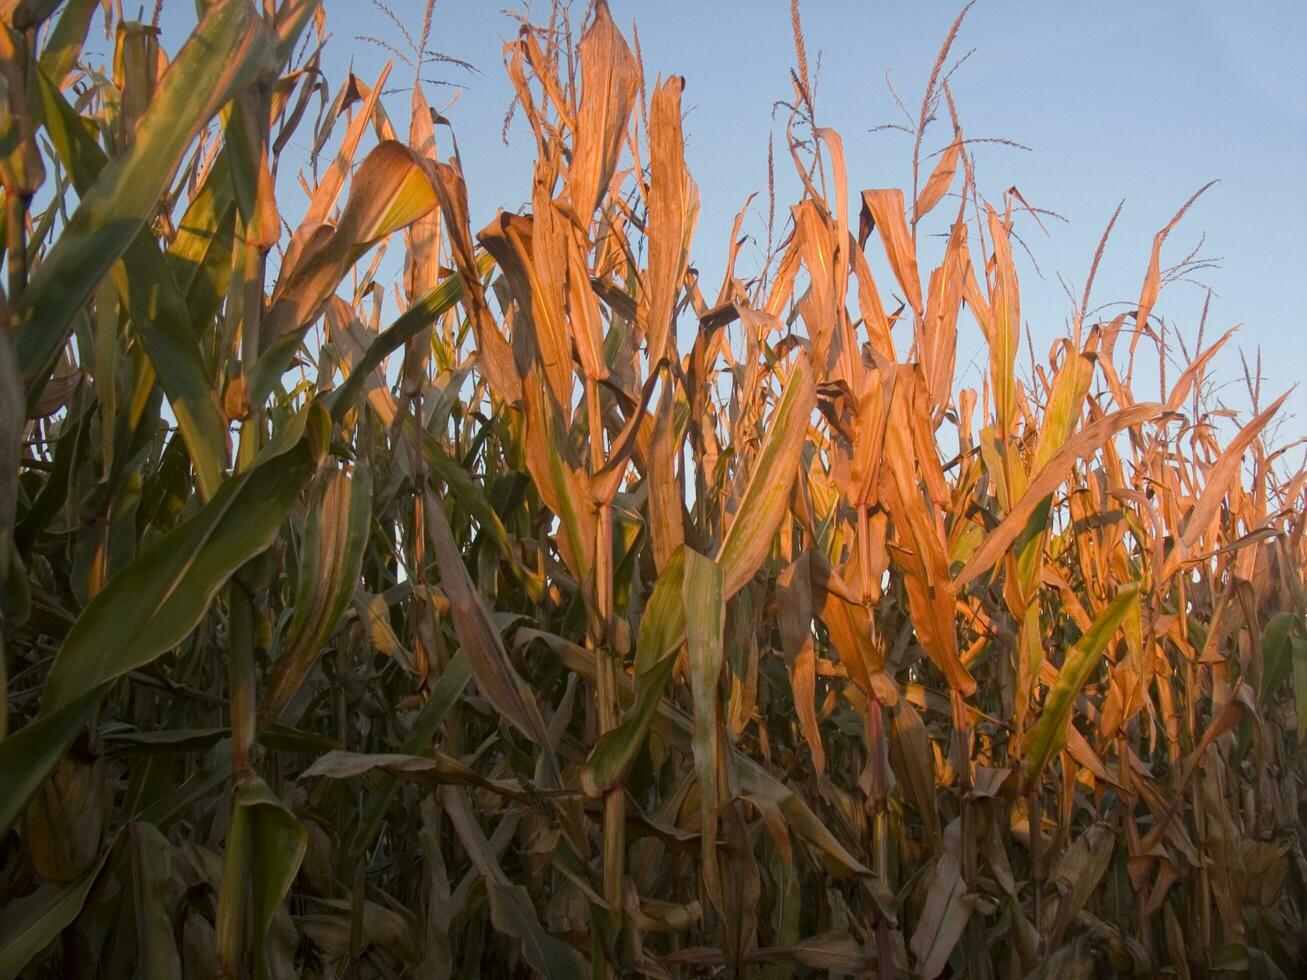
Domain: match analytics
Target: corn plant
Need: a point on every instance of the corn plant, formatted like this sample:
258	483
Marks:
544	612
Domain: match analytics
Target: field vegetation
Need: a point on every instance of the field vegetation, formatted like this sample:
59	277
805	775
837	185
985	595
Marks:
553	611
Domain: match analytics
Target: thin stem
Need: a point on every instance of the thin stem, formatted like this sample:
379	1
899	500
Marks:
606	686
229	925
962	741
876	748
240	668
16	243
1035	814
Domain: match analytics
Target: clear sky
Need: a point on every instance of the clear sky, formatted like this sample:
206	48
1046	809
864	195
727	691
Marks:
1144	100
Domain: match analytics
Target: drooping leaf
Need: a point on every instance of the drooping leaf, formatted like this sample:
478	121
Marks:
28	755
939	181
29	924
883	209
390	190
156	600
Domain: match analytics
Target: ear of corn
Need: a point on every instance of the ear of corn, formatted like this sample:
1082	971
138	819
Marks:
571	620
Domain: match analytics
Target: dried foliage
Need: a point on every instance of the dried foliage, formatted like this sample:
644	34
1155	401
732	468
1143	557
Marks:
577	621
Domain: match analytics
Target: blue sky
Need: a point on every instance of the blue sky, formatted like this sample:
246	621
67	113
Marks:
1145	101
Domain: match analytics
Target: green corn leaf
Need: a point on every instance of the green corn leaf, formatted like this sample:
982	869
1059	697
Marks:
229	49
154	603
662	630
265	845
28	754
1277	651
755	781
160	315
1049	735
749	539
463	487
1299	647
335	539
495	674
200	254
279	844
152	888
705	622
445	693
420	315
156	600
511	909
746	545
32	923
64	43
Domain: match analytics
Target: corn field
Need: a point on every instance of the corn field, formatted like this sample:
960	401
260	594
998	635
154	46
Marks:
582	617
